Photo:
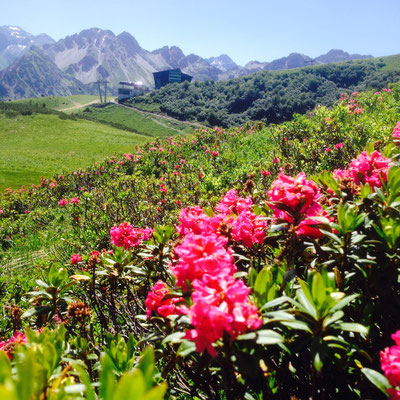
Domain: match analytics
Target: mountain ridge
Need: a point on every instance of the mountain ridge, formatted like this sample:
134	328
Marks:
96	53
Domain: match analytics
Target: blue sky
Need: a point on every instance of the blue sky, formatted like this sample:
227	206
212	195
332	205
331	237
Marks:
247	30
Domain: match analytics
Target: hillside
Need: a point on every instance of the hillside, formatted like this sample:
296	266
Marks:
42	145
271	97
249	263
34	75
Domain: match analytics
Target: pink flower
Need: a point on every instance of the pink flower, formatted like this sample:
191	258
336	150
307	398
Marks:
220	305
191	220
371	169
396	131
298	194
215	154
155	301
231	203
74	200
75	259
249	228
265	173
9	345
125	235
182	161
202	255
295	200
338	146
63	202
390	363
328	150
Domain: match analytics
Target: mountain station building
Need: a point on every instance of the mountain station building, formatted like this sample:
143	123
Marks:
131	89
163	78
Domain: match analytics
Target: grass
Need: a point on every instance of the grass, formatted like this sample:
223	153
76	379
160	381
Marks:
42	145
61	102
143	124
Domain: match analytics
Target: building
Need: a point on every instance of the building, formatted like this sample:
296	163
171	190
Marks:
131	89
163	78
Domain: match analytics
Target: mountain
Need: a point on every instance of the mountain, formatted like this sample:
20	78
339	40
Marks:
14	42
335	55
224	63
34	75
95	54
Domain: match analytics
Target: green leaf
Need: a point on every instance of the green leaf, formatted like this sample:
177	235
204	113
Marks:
175	337
353	327
131	386
156	393
107	379
89	391
146	365
187	347
35	311
266	336
377	379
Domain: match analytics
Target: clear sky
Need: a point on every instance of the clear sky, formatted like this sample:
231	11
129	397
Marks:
246	30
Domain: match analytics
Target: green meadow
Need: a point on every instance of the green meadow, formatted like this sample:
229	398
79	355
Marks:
42	145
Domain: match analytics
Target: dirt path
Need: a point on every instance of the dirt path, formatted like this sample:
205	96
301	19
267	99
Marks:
162	116
77	105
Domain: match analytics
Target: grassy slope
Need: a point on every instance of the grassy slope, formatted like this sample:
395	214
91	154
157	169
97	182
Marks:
38	145
61	102
142	124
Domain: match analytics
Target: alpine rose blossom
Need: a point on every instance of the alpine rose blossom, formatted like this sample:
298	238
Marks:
75	259
126	236
219	306
202	255
371	169
298	194
155	301
390	363
249	228
9	345
231	203
295	200
396	131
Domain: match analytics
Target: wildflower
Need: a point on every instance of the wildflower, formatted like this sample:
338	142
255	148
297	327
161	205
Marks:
215	154
220	305
126	236
295	200
396	131
202	255
338	146
390	363
74	200
371	169
231	203
9	345
156	301
249	228
63	202
265	173
75	259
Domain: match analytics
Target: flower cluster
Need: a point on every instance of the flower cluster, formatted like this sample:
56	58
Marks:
75	259
9	345
206	266
396	131
157	302
371	169
296	200
126	236
220	306
390	363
